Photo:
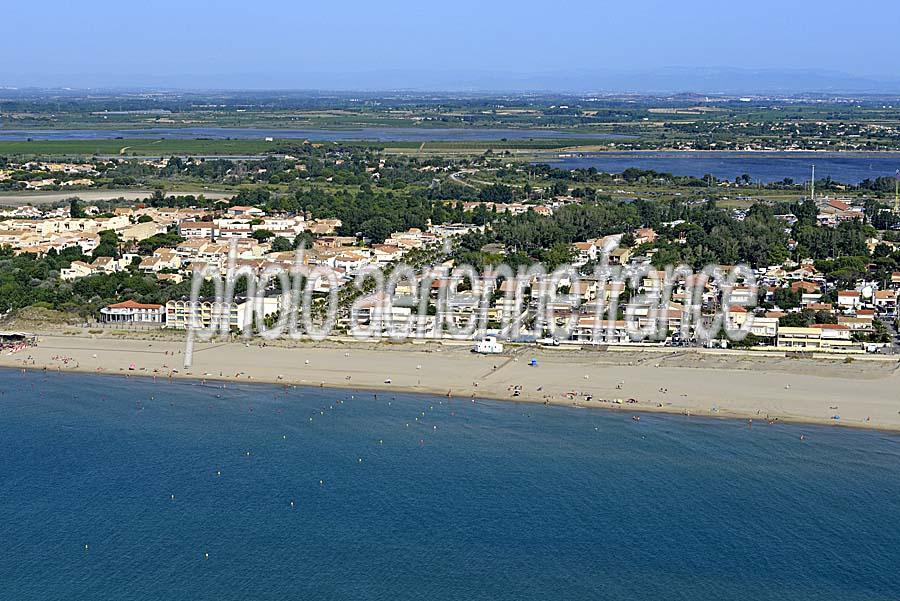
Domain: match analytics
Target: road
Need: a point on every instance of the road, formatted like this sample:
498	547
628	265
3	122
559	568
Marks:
458	177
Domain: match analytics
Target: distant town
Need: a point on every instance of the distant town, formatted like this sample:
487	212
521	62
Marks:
826	259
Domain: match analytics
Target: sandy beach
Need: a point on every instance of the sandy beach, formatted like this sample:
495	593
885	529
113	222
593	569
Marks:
861	393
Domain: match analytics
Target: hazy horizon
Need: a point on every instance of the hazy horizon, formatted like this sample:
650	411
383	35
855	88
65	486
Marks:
469	46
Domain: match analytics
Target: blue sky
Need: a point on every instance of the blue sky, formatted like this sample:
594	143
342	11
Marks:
429	44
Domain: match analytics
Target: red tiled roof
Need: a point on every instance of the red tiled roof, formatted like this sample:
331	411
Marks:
820	307
130	304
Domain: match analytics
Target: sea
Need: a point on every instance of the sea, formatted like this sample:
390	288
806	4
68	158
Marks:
765	167
139	489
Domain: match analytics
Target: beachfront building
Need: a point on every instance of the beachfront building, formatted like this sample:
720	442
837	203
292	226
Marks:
590	330
764	327
834	335
238	313
376	320
799	338
131	312
861	323
817	337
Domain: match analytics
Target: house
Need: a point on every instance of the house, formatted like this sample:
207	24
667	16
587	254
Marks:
451	230
324	226
163	258
141	231
351	262
620	256
857	324
737	316
886	301
821	307
236	232
77	182
335	241
386	253
743	295
590	330
808	299
644	235
111	265
585	252
764	327
77	269
849	299
18	238
667	319
412	238
197	229
242	211
805	287
832	332
377	314
286	227
133	312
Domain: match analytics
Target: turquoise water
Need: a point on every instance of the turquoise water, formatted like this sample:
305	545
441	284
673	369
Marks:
499	501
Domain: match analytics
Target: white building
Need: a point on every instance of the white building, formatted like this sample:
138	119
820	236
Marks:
133	312
238	313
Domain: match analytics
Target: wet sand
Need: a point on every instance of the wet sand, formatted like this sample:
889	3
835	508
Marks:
863	393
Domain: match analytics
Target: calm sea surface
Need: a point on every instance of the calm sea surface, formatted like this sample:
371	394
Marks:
472	501
850	168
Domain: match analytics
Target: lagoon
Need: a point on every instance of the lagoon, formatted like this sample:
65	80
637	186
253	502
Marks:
850	168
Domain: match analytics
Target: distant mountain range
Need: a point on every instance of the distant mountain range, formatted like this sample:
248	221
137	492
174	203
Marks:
668	80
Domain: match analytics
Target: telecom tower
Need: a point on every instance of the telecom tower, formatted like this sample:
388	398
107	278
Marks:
897	191
812	185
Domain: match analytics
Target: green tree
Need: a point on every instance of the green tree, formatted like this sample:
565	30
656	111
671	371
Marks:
281	244
262	235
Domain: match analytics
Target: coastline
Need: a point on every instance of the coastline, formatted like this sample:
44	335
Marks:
793	390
